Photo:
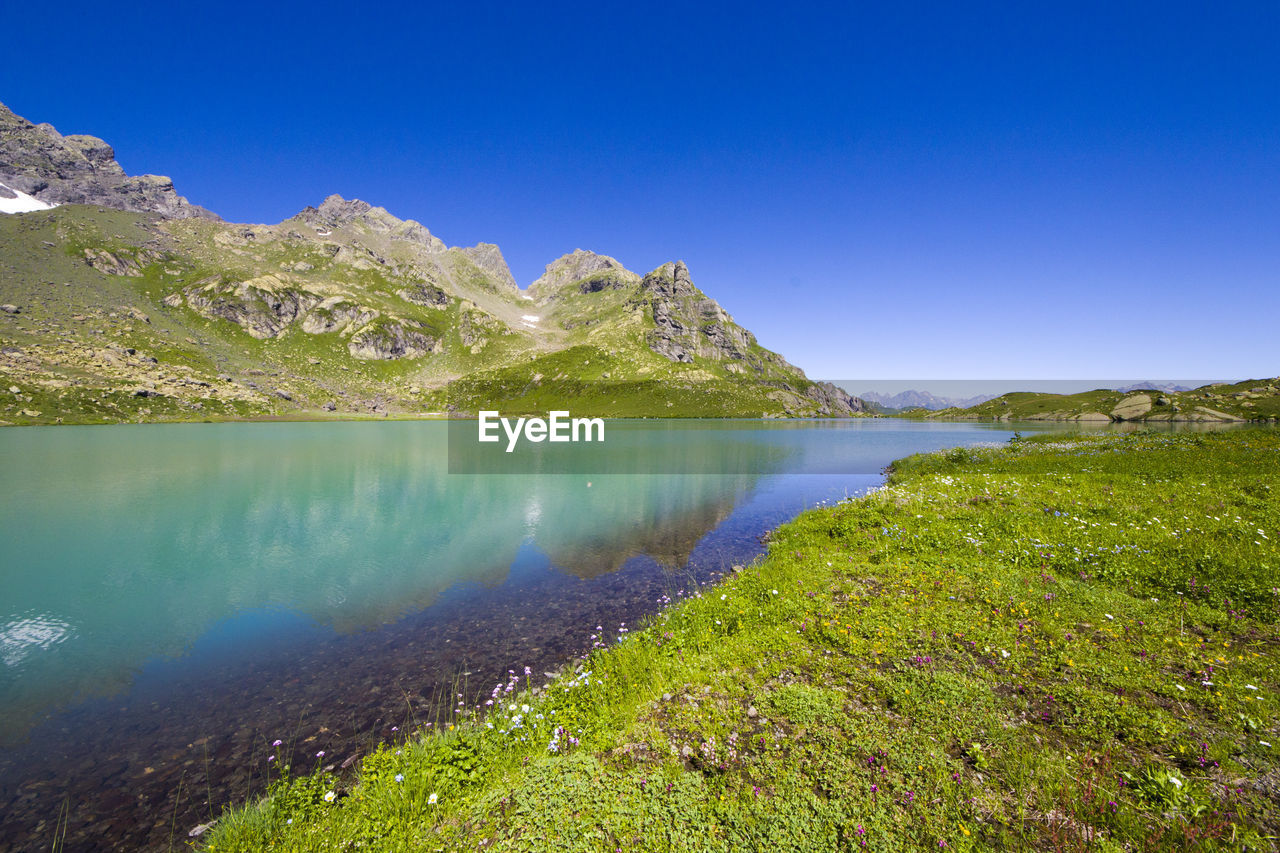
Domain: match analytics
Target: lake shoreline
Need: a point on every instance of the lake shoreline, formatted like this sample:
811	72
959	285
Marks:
815	670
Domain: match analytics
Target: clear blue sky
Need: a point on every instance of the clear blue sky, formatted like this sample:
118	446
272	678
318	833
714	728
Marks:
889	190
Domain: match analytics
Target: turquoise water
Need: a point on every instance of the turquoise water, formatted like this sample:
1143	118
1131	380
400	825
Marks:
174	589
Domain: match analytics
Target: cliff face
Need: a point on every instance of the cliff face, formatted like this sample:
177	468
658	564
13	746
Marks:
56	169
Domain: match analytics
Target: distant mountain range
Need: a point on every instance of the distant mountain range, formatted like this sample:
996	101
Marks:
1167	387
922	400
918	399
122	301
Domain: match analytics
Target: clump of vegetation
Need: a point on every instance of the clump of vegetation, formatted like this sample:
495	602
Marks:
1065	642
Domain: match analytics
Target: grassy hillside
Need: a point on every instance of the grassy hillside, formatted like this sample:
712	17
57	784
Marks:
1251	400
1063	643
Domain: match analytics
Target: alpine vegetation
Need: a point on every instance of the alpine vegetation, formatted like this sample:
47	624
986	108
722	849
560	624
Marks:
1067	643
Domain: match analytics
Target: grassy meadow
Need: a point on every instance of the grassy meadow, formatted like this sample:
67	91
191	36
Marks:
1062	643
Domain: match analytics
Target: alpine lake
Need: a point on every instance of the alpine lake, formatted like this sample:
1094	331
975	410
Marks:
175	598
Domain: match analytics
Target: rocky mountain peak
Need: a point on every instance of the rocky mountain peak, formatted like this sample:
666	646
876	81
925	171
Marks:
78	169
489	258
671	280
338	212
576	266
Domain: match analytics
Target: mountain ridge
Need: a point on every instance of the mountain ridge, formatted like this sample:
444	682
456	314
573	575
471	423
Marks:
132	305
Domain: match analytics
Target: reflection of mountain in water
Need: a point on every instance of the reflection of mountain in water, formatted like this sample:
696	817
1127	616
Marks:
163	533
667	536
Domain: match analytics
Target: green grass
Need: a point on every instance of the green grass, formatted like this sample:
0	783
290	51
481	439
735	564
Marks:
1060	644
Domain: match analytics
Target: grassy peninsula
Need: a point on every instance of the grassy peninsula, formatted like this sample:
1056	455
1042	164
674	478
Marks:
1218	402
1056	644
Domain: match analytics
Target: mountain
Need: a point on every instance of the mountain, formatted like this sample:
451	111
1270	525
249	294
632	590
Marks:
1154	386
39	162
122	301
914	399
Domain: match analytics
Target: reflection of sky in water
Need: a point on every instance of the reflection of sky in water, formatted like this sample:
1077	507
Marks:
145	538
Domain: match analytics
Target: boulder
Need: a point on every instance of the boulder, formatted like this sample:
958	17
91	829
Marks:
1132	408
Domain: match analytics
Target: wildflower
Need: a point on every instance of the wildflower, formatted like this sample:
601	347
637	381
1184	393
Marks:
431	800
399	777
320	754
277	743
329	795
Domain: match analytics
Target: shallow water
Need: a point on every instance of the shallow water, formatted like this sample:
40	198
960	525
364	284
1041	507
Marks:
174	598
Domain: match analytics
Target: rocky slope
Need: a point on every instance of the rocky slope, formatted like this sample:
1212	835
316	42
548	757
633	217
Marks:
126	302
